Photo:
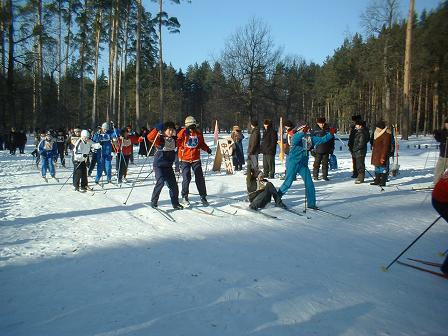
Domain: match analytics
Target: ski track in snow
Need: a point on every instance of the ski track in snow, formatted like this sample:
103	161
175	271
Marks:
86	264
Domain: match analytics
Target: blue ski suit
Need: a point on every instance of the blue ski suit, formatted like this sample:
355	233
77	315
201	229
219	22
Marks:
104	154
298	163
48	150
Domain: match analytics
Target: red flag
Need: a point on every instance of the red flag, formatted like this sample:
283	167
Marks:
215	133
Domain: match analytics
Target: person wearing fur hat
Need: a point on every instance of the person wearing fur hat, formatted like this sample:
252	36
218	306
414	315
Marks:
81	152
359	149
269	148
104	154
190	142
260	191
382	142
351	139
301	142
164	138
322	151
48	151
442	163
238	154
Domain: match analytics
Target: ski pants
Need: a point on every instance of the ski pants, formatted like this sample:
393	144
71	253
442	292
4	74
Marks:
269	165
265	196
80	174
321	159
92	164
104	163
186	168
442	209
47	163
291	171
123	162
165	175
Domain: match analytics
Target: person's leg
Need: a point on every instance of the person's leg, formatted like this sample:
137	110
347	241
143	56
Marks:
265	165
441	166
51	167
172	185
99	166
260	200
271	163
108	166
83	169
304	172
325	160
186	178
291	172
316	165
199	178
92	164
160	182
76	175
355	169
44	166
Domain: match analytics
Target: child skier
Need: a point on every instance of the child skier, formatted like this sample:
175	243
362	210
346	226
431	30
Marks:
301	142
81	152
164	139
124	152
190	141
48	151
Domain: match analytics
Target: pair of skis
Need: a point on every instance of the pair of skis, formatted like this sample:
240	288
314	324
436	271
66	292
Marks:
424	269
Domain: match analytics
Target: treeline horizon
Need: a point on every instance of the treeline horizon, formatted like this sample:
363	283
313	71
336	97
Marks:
50	71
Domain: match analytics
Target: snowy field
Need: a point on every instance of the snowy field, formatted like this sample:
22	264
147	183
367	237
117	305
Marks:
85	264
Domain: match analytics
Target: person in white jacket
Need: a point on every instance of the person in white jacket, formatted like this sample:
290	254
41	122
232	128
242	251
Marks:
81	151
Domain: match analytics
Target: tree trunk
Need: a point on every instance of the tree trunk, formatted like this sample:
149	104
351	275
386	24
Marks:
98	21
115	60
425	124
59	55
407	74
160	62
3	65
67	51
125	63
419	108
10	80
111	76
386	87
137	64
435	98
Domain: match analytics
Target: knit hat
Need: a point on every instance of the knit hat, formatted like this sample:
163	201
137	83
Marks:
320	120
189	121
288	123
381	124
85	133
105	126
169	124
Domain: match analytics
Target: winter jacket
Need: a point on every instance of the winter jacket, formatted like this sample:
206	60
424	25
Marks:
144	145
105	139
125	145
360	142
13	139
351	138
441	136
298	151
81	148
48	149
269	141
254	186
327	147
440	192
71	141
382	141
61	142
165	148
189	143
254	142
21	138
238	138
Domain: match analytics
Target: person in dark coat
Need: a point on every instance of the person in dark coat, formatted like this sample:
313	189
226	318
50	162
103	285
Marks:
260	191
61	142
12	141
238	153
164	138
442	163
269	148
382	141
322	151
253	148
359	149
21	141
144	145
351	139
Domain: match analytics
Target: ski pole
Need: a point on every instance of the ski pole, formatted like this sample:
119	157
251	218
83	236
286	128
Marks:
382	189
206	165
143	165
70	176
384	269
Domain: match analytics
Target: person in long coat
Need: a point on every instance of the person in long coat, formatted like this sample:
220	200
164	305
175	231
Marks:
382	141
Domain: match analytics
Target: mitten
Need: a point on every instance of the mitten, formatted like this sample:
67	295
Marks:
332	130
209	151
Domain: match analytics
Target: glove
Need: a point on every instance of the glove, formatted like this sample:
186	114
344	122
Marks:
85	155
332	130
209	151
306	129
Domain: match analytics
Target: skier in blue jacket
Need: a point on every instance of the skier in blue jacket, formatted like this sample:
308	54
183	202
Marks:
301	143
48	150
104	154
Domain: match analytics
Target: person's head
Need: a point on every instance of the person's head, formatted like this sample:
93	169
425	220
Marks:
190	122
43	134
104	127
125	132
77	131
13	129
356	118
381	124
85	135
48	136
129	127
359	124
169	129
301	126
320	122
253	123
267	123
236	129
288	125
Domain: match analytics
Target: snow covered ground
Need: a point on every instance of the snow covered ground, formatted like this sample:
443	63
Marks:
83	264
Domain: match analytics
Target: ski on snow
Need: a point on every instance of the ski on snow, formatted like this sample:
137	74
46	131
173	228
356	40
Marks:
331	213
162	212
254	211
439	274
429	263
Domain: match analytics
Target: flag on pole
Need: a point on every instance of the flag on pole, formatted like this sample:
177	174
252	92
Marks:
282	147
215	133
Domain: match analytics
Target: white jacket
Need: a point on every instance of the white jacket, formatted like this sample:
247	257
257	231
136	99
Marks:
80	149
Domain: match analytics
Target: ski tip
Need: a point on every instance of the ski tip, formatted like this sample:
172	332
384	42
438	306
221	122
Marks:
384	268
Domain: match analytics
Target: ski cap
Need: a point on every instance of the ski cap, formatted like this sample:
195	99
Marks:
105	126
189	121
85	133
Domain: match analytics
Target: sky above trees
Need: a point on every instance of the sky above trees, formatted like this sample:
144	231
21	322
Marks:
310	29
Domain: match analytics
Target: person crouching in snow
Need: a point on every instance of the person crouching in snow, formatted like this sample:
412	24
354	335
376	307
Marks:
164	138
260	191
301	142
440	203
190	141
382	141
124	152
48	150
81	152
